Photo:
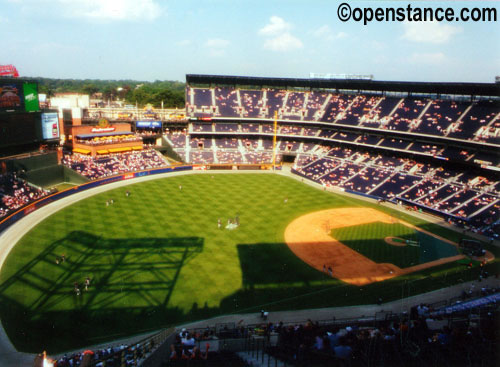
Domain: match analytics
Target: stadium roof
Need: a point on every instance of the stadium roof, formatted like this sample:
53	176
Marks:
476	89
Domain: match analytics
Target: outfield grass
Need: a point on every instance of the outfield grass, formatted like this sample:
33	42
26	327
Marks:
157	258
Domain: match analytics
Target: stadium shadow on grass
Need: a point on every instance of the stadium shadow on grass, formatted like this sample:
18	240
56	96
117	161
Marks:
274	263
272	279
148	269
332	292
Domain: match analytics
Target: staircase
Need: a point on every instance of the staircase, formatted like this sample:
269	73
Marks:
256	359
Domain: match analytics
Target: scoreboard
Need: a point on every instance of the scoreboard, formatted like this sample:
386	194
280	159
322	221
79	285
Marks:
18	95
19	128
21	121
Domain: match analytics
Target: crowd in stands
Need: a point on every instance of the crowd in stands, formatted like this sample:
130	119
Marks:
409	341
111	356
113	164
463	120
115	139
448	152
148	132
226	100
446	333
15	193
395	178
177	139
202	157
228	156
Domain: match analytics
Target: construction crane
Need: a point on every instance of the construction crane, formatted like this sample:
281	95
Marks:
9	70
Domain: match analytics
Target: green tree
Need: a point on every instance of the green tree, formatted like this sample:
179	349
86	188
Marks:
90	89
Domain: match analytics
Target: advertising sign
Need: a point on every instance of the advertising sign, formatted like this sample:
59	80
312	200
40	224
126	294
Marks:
148	124
11	96
50	125
150	115
124	116
103	127
31	97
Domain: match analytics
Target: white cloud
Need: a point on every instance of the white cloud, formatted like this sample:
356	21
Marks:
132	10
217	43
429	32
283	42
326	33
276	27
217	46
278	36
437	58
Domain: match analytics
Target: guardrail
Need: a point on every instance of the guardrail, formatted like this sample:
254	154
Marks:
136	354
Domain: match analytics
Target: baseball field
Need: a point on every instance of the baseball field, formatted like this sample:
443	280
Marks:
155	256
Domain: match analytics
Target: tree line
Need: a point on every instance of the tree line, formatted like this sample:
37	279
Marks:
172	93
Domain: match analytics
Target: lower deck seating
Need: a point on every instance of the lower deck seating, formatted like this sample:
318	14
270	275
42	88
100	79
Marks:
15	193
113	164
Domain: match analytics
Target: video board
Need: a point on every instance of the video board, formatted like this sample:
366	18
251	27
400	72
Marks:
18	96
50	125
11	96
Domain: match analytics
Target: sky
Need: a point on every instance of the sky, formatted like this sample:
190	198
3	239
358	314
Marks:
165	40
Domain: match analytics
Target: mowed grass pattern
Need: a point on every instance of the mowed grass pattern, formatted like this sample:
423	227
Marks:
157	258
158	250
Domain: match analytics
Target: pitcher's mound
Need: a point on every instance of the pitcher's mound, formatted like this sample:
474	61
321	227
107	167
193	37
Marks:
395	241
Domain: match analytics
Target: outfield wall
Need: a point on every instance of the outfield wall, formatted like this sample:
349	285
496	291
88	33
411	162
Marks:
33	162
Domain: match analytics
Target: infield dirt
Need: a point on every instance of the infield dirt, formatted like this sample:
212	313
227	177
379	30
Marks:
309	238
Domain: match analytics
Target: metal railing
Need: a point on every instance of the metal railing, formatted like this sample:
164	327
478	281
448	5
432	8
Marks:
135	354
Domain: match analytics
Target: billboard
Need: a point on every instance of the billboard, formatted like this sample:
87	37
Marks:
30	91
50	125
11	96
148	124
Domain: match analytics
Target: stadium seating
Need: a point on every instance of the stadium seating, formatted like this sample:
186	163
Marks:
226	101
251	103
447	332
202	157
444	118
382	174
113	164
329	138
16	193
177	139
